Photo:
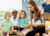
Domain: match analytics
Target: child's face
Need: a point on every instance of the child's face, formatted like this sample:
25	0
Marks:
8	17
14	14
22	15
35	17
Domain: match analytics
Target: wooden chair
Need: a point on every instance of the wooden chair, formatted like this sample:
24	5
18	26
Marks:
7	34
1	31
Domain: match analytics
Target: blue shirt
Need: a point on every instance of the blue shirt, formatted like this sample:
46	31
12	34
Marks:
23	21
46	7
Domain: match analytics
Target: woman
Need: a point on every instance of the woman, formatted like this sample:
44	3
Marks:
39	28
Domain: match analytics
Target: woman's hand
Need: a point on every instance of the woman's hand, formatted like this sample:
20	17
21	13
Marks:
35	25
23	25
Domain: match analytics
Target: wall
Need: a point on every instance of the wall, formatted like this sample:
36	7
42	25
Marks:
10	4
25	6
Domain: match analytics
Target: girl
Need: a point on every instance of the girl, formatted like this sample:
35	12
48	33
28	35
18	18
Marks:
35	22
7	24
22	21
46	6
46	20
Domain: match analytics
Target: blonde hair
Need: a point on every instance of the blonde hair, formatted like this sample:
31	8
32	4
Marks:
7	14
21	13
46	16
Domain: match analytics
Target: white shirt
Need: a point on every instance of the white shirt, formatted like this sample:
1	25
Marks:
15	22
38	22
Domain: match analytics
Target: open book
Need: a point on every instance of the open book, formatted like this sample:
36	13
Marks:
27	26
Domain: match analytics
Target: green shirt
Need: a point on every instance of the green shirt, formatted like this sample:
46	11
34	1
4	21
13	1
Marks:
23	21
6	25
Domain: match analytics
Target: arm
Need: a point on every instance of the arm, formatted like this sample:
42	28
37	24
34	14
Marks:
12	28
40	8
18	23
35	25
40	24
1	27
26	22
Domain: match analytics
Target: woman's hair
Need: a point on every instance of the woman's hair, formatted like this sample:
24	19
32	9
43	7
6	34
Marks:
7	14
33	3
37	14
46	16
21	13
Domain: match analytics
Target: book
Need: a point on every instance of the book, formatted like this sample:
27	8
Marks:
27	26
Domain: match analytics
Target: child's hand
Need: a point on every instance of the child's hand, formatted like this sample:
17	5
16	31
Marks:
35	25
23	25
11	32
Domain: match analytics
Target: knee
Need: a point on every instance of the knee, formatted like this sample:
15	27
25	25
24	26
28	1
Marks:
5	32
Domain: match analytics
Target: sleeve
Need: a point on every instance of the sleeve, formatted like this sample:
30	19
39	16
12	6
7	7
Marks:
43	4
38	22
2	23
26	19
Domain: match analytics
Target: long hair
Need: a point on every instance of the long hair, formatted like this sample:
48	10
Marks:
33	3
21	13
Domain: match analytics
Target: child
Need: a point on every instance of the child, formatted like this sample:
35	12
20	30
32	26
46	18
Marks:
7	24
22	21
35	22
46	6
14	20
46	20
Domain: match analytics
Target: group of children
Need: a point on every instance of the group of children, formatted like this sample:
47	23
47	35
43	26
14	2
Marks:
7	24
13	25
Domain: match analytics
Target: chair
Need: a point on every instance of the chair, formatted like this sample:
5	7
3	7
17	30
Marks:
1	31
7	34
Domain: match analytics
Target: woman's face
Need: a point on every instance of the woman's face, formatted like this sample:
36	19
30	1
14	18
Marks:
31	7
22	15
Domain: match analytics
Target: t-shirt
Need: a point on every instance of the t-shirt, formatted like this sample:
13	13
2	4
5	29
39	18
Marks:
15	22
6	25
46	7
23	21
47	25
38	22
